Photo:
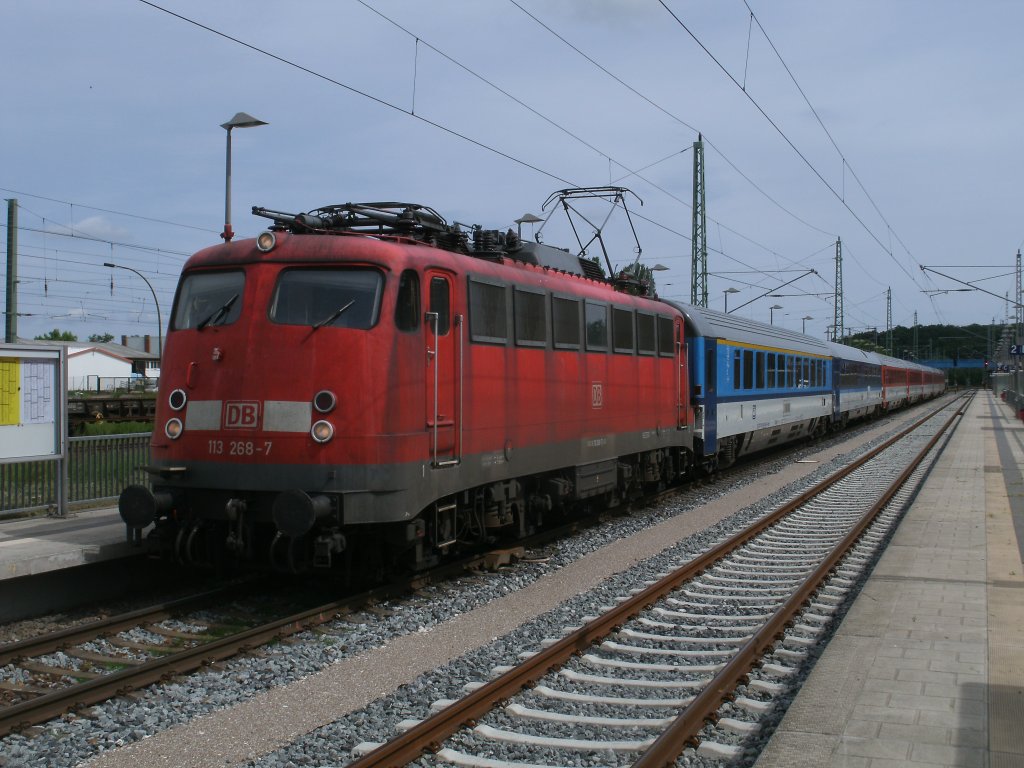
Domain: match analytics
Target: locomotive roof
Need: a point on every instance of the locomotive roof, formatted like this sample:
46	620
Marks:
719	325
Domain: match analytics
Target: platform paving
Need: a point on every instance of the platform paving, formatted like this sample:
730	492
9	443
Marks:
36	545
927	668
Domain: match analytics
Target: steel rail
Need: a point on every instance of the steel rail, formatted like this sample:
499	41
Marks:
65	638
54	704
41	708
683	732
428	734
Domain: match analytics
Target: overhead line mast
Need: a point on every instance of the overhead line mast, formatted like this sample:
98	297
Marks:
699	265
837	326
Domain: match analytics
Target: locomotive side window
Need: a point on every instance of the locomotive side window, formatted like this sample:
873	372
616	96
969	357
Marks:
622	330
208	298
531	318
645	341
407	306
488	320
666	337
597	326
565	322
440	302
339	298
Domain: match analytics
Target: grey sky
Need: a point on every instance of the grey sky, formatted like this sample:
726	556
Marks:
113	114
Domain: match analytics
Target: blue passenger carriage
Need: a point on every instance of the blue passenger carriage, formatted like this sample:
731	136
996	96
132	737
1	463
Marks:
753	385
857	383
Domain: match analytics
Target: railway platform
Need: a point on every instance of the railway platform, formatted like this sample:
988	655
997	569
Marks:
52	564
31	546
927	667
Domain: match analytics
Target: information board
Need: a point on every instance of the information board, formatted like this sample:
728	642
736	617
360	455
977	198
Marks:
33	398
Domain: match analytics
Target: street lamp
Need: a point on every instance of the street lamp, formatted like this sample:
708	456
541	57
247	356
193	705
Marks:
240	120
159	322
803	326
727	291
771	313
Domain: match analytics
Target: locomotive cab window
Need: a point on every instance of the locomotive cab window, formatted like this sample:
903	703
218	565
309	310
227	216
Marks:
208	299
339	298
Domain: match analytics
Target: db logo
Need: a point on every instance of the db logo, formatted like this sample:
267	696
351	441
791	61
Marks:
597	394
241	414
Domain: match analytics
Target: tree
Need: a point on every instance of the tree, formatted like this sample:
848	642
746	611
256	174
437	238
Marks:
57	335
102	338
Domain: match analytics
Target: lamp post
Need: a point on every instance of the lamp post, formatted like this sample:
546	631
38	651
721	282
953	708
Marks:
803	321
240	120
159	322
771	313
727	291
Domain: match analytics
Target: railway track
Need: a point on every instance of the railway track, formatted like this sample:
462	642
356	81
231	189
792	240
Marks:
696	659
46	676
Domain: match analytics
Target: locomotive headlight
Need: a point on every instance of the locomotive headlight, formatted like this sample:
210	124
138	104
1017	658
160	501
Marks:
177	399
266	241
324	401
322	431
173	428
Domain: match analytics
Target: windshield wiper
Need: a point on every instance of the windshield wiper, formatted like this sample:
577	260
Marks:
333	316
219	314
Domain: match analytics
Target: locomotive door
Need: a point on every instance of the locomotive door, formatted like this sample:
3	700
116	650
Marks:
443	352
682	380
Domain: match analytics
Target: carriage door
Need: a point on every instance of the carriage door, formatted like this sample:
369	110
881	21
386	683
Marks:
443	352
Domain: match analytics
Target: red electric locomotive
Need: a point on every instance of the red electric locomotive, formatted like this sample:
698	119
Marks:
367	385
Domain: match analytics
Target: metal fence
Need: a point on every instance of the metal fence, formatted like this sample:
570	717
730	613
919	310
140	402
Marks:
98	469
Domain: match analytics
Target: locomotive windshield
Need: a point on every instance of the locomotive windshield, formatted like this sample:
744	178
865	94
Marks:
339	298
209	298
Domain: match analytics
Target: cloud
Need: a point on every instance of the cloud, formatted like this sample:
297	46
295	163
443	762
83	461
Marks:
102	229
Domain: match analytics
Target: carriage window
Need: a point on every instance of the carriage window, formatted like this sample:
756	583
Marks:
666	337
487	316
645	333
597	326
748	369
790	371
622	329
736	369
208	298
760	370
772	381
565	319
407	306
531	318
339	298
